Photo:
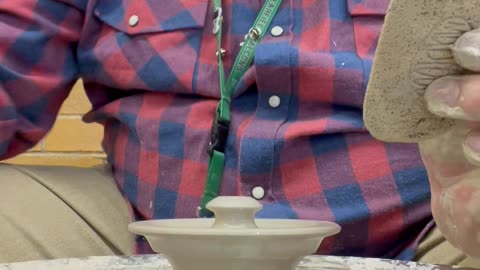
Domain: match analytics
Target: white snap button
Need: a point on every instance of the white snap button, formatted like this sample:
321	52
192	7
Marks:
133	21
258	193
276	31
222	51
274	101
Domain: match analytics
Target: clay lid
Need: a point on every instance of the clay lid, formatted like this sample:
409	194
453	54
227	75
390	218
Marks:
234	239
234	212
234	216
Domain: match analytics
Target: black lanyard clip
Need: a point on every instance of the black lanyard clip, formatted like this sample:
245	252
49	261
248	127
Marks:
217	20
204	213
218	136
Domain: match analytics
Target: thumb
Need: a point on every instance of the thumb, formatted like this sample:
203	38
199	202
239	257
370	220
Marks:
466	50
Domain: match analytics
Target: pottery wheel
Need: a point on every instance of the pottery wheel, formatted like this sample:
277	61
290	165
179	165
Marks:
155	262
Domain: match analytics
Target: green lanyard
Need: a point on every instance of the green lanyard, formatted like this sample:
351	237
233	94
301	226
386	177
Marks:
221	123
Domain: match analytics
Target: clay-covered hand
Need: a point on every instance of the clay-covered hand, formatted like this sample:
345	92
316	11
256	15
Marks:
453	158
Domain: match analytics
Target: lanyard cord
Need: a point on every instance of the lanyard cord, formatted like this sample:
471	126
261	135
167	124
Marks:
221	124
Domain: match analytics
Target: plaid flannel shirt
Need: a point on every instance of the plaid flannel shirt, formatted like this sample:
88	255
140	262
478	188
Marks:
153	84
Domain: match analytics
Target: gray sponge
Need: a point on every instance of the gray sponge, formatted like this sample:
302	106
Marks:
415	48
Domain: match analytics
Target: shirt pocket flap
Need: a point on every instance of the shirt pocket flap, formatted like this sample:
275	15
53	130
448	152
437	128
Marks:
144	16
368	7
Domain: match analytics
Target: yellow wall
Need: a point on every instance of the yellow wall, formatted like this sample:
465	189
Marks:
70	142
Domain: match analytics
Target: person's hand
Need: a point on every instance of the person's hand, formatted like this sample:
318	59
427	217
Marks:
452	159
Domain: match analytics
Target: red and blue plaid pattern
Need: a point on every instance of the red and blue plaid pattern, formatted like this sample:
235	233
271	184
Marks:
154	86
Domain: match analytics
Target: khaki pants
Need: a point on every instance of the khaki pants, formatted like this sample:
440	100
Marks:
435	249
60	212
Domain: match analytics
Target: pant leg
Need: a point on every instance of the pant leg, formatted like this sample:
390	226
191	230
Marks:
436	249
60	212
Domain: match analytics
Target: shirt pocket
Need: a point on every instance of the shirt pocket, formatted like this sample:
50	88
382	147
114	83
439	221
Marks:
148	45
368	17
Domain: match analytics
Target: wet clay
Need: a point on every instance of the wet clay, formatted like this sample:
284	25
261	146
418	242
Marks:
415	48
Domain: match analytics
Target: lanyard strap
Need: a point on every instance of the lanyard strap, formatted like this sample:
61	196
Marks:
221	124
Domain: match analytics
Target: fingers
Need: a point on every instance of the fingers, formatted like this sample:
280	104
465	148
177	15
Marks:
455	188
452	159
458	97
466	50
444	157
455	97
457	212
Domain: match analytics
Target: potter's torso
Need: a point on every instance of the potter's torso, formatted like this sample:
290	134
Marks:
297	137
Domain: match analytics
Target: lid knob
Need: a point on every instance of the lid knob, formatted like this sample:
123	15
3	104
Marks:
234	212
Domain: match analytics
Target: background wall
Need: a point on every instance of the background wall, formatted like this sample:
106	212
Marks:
70	142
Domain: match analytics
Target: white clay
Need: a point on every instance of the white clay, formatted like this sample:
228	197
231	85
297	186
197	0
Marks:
235	240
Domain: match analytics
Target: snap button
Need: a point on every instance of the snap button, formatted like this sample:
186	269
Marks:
276	31
274	101
258	193
222	53
133	20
